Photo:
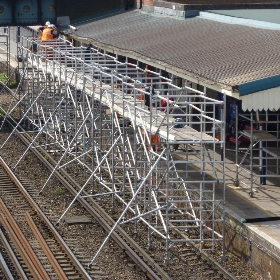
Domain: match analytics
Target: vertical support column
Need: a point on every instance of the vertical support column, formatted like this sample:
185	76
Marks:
251	193
223	119
223	136
236	148
190	109
262	160
8	51
75	119
203	172
113	124
93	134
84	137
18	34
167	241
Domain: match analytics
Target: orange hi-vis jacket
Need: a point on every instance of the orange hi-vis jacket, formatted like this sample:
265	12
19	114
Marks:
47	34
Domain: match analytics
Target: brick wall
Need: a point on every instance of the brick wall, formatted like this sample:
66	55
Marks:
148	2
145	2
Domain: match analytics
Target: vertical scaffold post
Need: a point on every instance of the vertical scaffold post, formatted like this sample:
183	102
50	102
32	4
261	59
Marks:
251	193
236	147
222	131
262	158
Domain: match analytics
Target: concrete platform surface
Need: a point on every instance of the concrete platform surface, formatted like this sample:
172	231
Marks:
264	205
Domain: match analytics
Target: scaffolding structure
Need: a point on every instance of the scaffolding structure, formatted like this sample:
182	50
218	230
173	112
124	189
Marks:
137	138
263	150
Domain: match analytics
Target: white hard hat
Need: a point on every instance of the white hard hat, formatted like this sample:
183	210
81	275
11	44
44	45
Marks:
47	23
51	26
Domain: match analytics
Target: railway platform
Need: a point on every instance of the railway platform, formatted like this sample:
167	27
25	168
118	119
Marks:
252	223
258	211
259	216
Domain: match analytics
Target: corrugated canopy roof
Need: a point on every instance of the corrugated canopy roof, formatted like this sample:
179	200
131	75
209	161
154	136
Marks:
217	52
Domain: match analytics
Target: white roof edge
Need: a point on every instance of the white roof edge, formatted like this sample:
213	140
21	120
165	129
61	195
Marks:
240	21
268	99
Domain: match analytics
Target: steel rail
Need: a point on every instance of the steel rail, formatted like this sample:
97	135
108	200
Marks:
12	256
22	244
5	268
59	272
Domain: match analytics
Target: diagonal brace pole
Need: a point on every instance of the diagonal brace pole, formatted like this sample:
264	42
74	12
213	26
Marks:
78	131
40	132
25	114
90	177
126	208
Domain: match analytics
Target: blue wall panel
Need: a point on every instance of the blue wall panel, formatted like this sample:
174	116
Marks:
27	12
48	11
6	12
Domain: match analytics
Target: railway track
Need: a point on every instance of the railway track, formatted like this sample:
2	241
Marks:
47	254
